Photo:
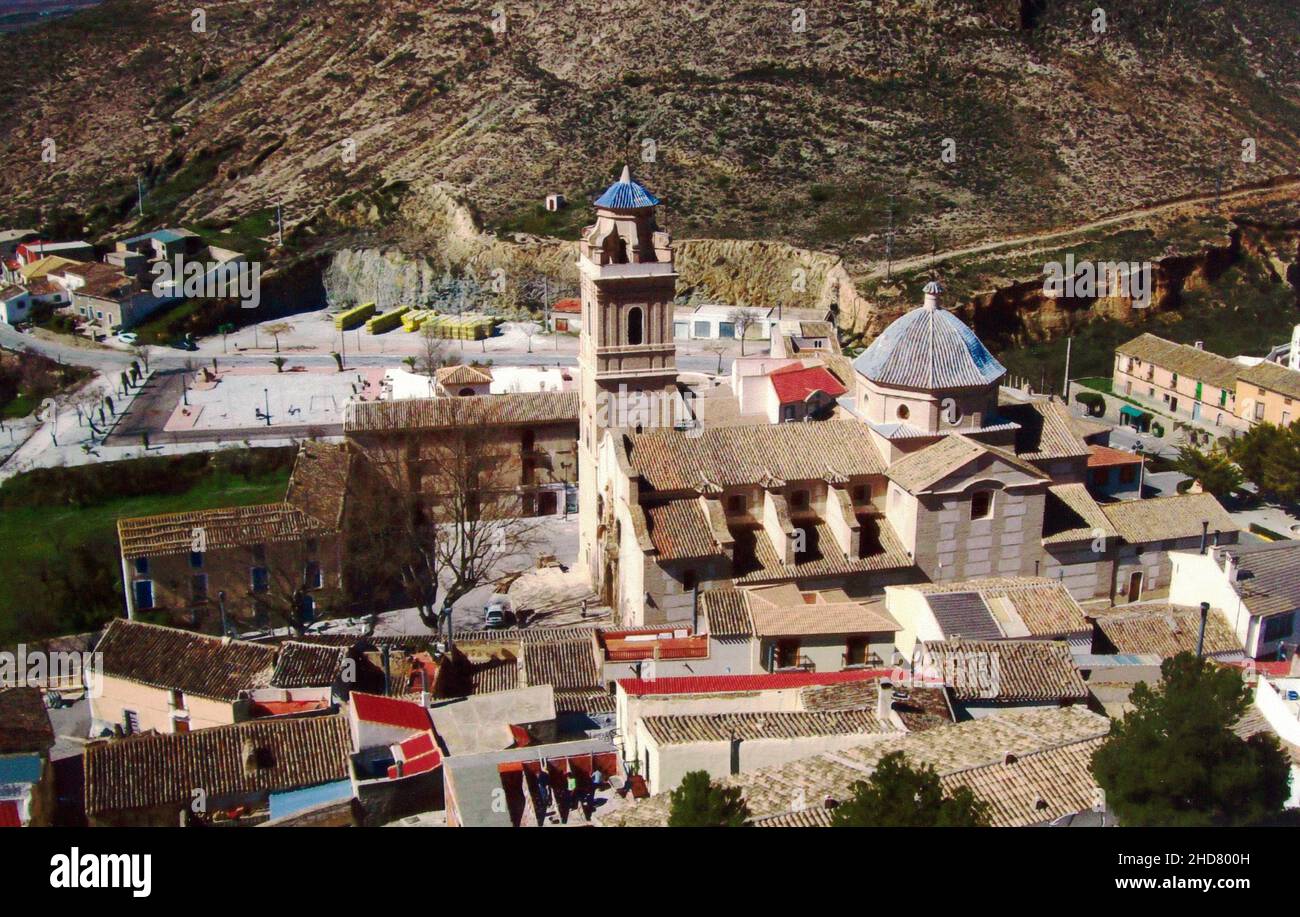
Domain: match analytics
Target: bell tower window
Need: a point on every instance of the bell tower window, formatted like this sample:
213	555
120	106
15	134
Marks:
635	321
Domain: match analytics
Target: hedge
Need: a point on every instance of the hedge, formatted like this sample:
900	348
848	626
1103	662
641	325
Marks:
1095	403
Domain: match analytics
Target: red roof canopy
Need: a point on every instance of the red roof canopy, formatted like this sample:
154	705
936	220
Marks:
372	708
1102	456
567	305
796	383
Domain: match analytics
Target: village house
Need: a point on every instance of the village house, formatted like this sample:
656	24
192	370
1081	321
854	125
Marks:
26	776
1115	474
566	315
991	677
1184	381
166	680
1268	393
250	563
1031	766
1255	587
226	775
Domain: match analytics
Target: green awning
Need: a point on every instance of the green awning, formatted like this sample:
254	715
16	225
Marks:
1129	411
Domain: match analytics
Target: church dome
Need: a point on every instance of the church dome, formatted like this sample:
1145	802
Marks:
929	348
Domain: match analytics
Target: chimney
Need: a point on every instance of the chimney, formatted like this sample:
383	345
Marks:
248	751
1200	637
1205	534
1199	345
1229	567
885	702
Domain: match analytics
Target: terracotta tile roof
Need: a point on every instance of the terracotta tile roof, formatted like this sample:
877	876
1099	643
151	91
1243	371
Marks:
1167	518
173	659
821	619
462	374
1105	456
1268	575
24	723
804	818
593	701
515	409
493	676
727	612
1190	362
1071	514
1023	790
390	711
679	530
722	684
847	695
816	329
42	267
920	470
831	775
795	384
882	550
1006	670
1043	604
228	527
731	456
10	291
255	757
319	482
1163	630
1274	377
567	305
1045	430
564	666
308	665
721	727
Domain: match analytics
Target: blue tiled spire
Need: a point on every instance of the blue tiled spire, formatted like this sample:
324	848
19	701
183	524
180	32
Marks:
626	194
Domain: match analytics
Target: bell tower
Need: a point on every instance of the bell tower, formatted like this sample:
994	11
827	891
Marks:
626	353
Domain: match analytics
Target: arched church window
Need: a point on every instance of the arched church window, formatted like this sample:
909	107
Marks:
621	252
635	332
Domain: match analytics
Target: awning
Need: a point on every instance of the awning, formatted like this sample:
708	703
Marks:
1129	411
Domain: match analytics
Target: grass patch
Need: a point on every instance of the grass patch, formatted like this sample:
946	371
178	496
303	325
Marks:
59	559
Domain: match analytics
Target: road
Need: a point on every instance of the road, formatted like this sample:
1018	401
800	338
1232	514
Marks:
1056	235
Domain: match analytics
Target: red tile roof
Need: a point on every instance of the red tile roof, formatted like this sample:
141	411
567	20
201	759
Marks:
796	383
712	684
567	305
1102	456
417	755
372	708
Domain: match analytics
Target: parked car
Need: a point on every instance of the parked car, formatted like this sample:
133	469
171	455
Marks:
498	612
185	343
127	337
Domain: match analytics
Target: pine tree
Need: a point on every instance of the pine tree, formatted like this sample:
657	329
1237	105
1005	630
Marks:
900	796
700	803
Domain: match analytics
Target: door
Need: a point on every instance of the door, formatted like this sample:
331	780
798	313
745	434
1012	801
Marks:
787	654
547	503
1135	587
1196	411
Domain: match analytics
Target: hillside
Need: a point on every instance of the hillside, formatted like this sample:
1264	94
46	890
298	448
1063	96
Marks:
761	131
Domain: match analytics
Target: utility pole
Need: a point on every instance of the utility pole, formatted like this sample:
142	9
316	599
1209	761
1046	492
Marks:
139	194
889	242
266	394
279	222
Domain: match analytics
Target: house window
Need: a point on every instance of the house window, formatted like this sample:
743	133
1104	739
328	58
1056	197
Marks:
178	700
142	566
130	722
313	576
1099	477
260	580
855	651
902	412
635	319
737	504
259	554
1128	474
702	330
143	594
1278	627
862	493
981	504
690	579
726	329
196	560
787	412
799	499
199	587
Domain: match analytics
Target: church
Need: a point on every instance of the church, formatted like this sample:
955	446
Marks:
927	470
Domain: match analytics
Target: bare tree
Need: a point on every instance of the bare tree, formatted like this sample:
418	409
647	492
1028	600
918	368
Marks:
718	347
443	515
142	353
433	352
743	319
276	329
529	330
296	590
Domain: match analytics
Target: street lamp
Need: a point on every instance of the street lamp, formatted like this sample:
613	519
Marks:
266	394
